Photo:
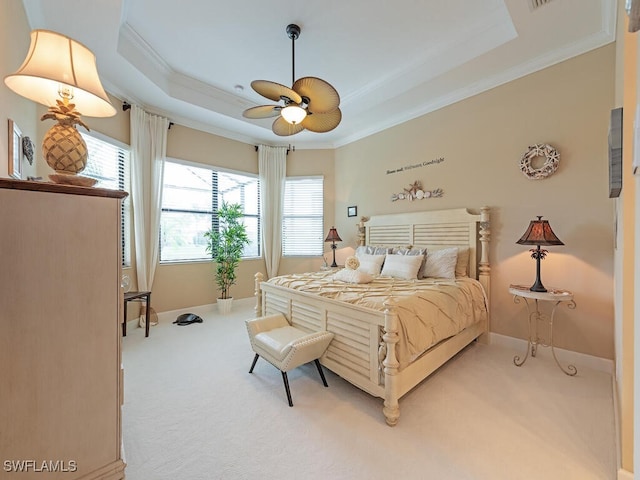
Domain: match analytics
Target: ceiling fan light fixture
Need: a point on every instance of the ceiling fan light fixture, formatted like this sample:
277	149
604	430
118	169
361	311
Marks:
293	114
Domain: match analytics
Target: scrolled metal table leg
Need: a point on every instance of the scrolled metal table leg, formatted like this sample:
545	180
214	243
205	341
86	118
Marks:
571	370
530	347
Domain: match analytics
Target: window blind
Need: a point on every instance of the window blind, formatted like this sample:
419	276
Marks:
303	217
108	162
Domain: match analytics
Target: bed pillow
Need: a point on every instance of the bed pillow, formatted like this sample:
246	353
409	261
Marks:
352	276
402	266
370	263
413	251
371	250
441	263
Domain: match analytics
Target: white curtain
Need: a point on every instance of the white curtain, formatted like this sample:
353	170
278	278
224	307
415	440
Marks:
272	166
148	151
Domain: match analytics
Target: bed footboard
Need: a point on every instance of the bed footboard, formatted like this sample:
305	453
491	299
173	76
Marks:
363	350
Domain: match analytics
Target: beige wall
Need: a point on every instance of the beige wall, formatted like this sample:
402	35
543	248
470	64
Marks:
481	140
14	44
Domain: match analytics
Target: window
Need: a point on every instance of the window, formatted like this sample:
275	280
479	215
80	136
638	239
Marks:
108	163
302	219
190	199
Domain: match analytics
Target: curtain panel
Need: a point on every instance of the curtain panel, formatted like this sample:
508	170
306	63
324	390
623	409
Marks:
148	152
272	167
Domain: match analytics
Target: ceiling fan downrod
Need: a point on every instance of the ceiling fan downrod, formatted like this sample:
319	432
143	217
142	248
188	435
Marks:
293	32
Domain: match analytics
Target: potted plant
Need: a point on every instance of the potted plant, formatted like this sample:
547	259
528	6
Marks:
225	245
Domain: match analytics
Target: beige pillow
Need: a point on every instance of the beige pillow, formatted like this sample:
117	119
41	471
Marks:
402	266
370	263
441	263
352	276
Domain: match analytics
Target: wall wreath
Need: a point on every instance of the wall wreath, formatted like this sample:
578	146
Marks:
552	159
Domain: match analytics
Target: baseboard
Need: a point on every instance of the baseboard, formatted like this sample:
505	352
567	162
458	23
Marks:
171	315
624	475
575	358
621	474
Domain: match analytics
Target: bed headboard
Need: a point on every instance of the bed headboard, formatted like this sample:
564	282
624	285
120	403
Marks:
435	229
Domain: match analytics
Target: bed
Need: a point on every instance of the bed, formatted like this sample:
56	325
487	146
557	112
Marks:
368	344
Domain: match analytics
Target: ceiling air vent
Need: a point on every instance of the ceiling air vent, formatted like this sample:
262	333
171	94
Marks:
533	4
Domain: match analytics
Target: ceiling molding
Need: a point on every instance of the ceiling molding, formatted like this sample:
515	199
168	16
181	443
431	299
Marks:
595	41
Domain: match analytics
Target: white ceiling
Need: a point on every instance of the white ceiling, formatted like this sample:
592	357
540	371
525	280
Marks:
193	60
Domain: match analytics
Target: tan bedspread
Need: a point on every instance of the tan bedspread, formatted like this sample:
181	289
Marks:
429	310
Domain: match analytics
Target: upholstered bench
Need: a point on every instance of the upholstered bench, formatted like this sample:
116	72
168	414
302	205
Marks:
286	347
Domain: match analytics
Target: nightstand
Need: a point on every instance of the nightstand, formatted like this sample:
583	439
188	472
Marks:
553	296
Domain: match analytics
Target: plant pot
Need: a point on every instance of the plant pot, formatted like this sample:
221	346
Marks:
224	305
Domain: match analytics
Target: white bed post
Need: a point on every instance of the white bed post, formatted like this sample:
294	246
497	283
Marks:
390	337
258	293
484	273
362	233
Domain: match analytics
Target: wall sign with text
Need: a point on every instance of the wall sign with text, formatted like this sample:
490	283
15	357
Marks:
426	163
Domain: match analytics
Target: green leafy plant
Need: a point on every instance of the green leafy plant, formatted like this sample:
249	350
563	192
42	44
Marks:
225	245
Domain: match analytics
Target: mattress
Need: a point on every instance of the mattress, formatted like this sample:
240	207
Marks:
429	310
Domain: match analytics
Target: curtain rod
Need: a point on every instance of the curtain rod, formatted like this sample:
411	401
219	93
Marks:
290	148
127	106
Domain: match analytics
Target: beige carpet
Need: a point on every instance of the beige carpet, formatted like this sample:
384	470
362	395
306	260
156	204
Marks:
192	411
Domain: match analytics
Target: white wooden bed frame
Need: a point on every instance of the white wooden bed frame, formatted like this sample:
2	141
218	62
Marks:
363	349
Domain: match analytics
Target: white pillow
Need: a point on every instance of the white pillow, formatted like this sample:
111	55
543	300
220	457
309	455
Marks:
370	263
402	266
441	263
421	252
352	276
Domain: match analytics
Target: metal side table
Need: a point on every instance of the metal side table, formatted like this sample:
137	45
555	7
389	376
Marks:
532	300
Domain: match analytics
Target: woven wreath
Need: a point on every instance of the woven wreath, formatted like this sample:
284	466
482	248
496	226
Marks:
540	150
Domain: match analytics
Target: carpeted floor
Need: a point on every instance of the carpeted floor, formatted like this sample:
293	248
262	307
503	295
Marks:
193	412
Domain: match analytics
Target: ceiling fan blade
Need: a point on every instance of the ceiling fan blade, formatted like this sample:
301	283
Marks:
322	122
283	128
262	111
275	91
323	98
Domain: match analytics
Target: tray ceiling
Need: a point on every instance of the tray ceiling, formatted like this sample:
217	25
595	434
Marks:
193	61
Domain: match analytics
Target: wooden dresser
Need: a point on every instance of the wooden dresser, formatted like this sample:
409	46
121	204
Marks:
60	314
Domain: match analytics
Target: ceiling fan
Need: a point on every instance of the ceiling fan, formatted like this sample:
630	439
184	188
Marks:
311	103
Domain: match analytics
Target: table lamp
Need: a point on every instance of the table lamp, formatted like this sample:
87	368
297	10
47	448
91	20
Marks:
56	71
333	237
539	233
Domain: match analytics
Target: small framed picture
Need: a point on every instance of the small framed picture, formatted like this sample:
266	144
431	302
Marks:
15	150
352	211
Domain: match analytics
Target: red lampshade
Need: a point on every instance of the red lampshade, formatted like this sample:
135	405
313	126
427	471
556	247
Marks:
333	236
539	233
